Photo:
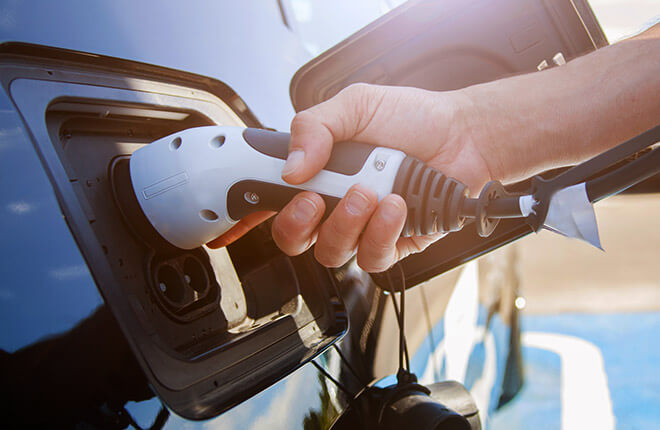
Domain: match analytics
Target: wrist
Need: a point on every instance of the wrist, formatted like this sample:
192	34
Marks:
514	132
463	151
476	127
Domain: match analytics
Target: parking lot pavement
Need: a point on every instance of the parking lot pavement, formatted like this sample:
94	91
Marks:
627	347
560	275
590	326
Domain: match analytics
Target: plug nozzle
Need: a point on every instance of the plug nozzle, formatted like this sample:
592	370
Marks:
129	207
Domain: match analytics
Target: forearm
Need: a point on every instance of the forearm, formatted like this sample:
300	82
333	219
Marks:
530	123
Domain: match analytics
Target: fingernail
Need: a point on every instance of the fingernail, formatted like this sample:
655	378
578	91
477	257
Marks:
357	202
293	162
390	211
304	210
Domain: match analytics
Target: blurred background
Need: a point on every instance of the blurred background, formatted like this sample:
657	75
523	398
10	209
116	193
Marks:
590	318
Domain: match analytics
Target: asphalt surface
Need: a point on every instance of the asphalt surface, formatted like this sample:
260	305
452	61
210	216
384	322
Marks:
590	325
567	275
630	355
594	313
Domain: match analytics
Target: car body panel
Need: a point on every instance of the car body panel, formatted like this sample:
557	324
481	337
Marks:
52	295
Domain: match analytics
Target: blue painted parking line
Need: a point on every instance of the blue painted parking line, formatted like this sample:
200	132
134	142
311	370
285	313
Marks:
630	355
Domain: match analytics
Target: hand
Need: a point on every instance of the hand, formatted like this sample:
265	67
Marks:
506	130
424	124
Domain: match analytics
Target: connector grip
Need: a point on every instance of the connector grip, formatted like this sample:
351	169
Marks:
434	200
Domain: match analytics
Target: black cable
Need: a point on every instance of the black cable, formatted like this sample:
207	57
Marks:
402	334
341	355
404	357
161	419
506	207
333	380
607	184
348	364
626	176
403	302
600	162
129	418
403	347
401	337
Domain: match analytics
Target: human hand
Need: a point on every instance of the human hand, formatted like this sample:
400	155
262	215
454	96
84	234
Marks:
506	130
427	125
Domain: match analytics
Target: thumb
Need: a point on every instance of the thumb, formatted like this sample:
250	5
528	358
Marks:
315	130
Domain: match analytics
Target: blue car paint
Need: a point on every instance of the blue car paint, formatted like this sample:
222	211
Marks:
46	287
246	46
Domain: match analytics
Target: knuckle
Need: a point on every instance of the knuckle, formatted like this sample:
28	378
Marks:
302	119
376	245
340	234
357	88
374	254
355	93
334	239
373	266
330	257
287	239
283	242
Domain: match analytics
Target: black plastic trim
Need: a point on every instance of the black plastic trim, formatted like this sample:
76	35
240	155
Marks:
28	52
271	197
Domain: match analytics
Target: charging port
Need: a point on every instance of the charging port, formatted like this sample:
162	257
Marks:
198	320
184	285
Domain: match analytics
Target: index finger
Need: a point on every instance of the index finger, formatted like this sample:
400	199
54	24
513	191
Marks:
246	224
313	131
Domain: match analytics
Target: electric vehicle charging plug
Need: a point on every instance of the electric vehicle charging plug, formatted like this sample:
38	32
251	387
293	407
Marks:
188	188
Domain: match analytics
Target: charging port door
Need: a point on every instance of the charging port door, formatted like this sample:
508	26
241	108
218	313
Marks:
448	45
210	328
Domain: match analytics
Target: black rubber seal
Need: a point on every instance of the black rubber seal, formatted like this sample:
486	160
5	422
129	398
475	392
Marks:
492	191
130	209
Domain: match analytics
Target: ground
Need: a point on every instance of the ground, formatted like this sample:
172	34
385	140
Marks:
590	324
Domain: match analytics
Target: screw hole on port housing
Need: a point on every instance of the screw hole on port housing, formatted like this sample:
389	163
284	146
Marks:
208	215
217	141
175	144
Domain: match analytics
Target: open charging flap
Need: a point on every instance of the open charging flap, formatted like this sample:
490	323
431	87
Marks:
447	45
